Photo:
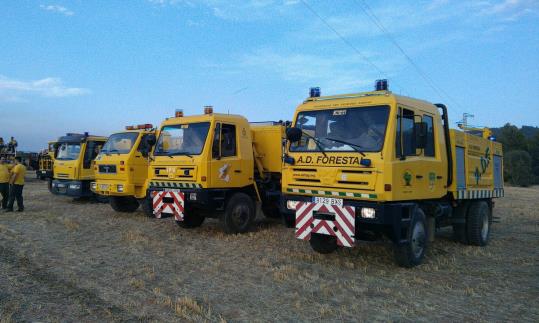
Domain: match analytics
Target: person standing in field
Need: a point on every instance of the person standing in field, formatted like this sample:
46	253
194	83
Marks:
16	185
4	182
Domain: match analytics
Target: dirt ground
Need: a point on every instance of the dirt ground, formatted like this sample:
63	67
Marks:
65	260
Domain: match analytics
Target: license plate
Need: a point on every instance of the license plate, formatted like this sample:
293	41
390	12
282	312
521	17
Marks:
172	190
327	200
104	187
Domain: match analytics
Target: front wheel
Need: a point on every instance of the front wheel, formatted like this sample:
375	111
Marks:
147	207
322	243
191	220
239	214
412	253
124	204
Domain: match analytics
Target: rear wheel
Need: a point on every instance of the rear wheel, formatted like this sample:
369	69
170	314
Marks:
478	223
322	243
412	253
239	214
125	204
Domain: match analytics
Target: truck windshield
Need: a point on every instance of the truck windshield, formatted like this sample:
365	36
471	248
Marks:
68	151
350	129
120	143
184	139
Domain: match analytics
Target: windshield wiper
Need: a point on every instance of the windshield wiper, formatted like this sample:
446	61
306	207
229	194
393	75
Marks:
317	141
180	153
354	146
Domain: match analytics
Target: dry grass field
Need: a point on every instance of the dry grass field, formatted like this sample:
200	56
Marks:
66	260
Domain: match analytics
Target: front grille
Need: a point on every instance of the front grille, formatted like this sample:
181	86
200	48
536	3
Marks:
107	169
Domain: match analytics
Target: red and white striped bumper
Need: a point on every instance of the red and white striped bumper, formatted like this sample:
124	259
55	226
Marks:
343	227
171	202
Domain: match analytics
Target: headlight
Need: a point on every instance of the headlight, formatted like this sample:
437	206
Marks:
368	213
120	188
193	196
74	186
291	205
94	186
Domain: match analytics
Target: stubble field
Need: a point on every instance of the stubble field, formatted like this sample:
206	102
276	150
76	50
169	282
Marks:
65	260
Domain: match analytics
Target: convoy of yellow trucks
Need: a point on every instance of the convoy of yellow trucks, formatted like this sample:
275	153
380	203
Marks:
349	167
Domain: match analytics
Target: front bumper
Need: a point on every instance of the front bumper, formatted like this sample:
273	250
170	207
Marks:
112	188
391	218
71	188
209	201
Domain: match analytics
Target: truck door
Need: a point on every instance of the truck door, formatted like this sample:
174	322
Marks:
92	149
225	165
430	176
406	164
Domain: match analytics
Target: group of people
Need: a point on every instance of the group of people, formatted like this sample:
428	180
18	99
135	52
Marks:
12	183
11	146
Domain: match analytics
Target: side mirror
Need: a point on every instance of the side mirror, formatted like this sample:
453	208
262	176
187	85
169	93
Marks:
147	144
294	134
151	140
420	129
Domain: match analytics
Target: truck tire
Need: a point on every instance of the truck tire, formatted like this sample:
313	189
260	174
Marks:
239	214
147	207
271	211
123	204
478	223
289	220
322	243
411	254
191	220
101	198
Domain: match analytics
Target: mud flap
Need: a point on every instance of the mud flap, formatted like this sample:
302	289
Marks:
169	203
333	220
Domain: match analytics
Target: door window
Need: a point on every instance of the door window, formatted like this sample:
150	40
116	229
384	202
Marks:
405	141
429	147
224	141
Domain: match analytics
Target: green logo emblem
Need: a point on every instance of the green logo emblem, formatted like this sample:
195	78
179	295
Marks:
407	176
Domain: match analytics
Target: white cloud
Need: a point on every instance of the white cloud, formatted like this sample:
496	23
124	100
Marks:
236	10
14	90
347	72
58	9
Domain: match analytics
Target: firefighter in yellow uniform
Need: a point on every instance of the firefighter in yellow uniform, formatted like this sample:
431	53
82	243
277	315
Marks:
16	185
4	182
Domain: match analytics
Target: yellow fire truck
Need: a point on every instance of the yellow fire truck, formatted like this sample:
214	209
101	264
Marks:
363	165
215	165
73	168
121	168
45	161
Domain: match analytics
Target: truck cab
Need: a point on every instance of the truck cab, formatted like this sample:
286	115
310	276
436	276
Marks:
363	165
121	168
204	166
74	158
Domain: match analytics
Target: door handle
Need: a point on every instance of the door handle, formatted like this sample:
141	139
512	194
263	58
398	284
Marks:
439	177
237	171
419	176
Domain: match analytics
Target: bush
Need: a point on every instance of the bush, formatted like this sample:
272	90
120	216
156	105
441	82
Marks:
518	168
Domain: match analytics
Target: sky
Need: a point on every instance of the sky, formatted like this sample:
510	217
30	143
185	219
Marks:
97	66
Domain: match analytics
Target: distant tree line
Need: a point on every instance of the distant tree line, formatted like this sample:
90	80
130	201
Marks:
521	153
